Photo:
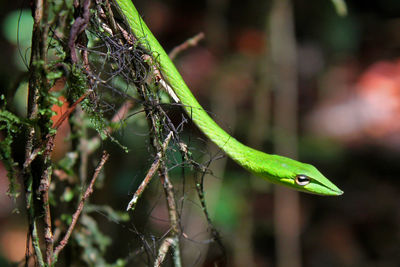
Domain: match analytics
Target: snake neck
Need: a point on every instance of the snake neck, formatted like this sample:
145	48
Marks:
232	147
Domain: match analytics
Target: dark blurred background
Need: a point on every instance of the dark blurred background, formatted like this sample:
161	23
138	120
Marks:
293	78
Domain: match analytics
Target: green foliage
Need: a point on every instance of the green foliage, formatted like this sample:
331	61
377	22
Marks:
76	83
340	6
93	242
68	195
11	125
77	86
66	218
68	162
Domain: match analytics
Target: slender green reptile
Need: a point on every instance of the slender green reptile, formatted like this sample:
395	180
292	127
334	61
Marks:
274	168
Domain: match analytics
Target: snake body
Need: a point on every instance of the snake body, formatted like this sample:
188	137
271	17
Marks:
274	168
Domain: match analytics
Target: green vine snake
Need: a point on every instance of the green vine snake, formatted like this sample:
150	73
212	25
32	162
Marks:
274	168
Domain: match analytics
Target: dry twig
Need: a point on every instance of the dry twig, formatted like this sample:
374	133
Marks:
154	167
187	44
78	211
162	251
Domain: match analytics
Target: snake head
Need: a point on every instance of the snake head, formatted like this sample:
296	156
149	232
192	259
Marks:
300	176
310	180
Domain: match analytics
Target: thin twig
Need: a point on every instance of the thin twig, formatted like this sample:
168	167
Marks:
172	211
214	232
185	45
145	182
199	183
71	109
168	188
149	175
162	251
78	211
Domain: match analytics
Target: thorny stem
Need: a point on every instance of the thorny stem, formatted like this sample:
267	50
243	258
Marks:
78	211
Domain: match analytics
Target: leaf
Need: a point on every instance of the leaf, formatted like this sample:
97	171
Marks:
340	6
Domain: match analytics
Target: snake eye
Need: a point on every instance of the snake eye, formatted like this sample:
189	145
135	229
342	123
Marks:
302	180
